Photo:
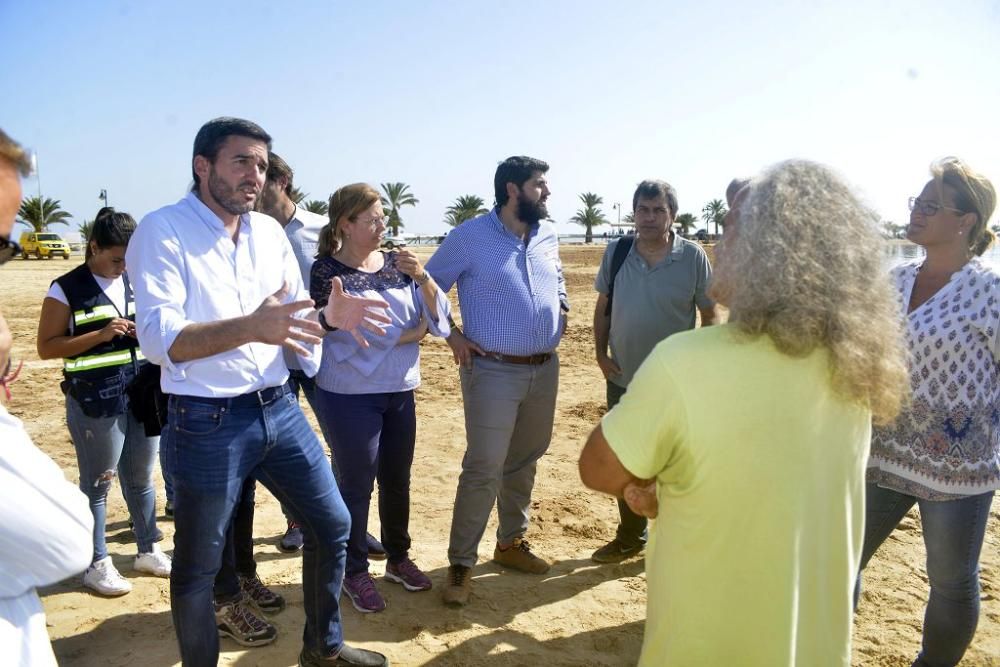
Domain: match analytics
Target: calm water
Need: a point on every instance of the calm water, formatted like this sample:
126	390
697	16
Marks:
901	252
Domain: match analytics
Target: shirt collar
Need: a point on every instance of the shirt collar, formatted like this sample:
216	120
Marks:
502	228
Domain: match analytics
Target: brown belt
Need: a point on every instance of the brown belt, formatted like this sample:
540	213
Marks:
530	360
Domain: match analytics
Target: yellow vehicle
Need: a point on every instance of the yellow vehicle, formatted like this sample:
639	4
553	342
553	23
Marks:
43	244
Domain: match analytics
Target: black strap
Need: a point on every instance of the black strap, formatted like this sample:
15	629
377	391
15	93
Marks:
617	259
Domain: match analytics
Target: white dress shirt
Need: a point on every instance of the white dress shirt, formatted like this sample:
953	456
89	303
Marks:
46	535
303	234
186	269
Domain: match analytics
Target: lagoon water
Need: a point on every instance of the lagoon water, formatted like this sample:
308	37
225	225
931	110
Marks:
902	251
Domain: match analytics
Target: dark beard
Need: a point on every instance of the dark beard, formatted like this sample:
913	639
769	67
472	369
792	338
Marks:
530	212
227	197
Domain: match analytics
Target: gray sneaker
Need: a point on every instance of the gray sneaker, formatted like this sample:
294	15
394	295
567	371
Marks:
238	621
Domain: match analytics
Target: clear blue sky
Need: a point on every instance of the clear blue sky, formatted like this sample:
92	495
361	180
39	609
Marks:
434	94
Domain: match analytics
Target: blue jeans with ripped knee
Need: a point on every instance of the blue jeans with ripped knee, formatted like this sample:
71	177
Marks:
107	447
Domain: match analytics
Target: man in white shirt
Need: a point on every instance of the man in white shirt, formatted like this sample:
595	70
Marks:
302	228
219	295
46	528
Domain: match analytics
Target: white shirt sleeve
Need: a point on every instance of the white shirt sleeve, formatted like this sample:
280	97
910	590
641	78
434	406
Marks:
46	528
56	292
156	264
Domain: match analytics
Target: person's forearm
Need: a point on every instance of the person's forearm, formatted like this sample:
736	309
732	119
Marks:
602	332
709	316
62	347
204	339
429	290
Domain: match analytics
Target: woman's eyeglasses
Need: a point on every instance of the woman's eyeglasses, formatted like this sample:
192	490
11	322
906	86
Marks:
929	208
7	377
375	222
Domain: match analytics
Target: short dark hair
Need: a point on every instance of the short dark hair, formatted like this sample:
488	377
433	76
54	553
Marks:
516	170
214	133
111	229
651	189
278	168
12	153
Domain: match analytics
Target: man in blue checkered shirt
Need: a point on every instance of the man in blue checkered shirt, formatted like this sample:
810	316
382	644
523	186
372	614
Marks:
513	302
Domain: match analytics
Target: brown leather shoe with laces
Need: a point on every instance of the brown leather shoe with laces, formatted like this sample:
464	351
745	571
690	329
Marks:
518	556
456	592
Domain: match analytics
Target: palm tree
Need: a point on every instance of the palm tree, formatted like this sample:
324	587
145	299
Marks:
686	222
297	195
465	208
396	196
590	216
39	213
317	206
85	229
714	212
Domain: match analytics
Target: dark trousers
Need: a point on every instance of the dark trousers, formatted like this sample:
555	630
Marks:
632	527
372	437
237	558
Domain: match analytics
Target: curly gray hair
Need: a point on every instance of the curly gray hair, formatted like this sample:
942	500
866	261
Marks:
804	265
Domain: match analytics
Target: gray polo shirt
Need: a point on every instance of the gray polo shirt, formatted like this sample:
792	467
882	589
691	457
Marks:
652	302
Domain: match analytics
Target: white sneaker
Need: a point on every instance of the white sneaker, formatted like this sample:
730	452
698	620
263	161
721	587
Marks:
102	577
154	562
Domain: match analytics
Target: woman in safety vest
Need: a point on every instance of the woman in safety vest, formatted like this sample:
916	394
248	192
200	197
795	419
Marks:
88	320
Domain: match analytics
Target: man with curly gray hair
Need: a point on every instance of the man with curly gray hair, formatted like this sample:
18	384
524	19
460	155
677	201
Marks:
756	433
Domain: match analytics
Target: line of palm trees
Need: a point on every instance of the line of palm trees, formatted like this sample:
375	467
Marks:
39	213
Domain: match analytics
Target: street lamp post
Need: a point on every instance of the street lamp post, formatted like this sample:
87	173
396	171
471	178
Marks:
104	196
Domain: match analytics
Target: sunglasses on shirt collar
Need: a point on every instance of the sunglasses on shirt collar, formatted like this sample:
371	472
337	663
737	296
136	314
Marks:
7	250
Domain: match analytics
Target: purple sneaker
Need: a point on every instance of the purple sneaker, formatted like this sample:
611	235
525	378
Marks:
364	596
407	573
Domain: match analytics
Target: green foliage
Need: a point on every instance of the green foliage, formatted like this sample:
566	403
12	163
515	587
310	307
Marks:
85	229
395	197
714	212
686	221
39	214
893	231
297	195
465	208
590	215
317	206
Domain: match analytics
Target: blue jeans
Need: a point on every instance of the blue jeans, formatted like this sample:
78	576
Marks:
373	437
953	536
105	445
212	447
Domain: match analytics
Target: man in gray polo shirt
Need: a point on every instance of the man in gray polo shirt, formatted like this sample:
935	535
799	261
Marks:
654	294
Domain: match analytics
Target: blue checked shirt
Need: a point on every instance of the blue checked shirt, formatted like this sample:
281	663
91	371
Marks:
509	292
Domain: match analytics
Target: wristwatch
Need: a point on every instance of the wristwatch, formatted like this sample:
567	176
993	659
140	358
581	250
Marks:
323	323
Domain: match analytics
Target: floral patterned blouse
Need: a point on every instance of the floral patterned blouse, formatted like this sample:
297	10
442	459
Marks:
946	444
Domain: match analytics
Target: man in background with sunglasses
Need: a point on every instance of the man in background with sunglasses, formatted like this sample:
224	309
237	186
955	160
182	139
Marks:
46	527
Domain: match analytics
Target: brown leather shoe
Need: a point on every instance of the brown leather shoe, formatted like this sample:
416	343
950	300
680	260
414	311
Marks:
518	556
456	592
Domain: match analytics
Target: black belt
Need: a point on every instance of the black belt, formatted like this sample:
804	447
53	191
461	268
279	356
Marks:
251	400
530	360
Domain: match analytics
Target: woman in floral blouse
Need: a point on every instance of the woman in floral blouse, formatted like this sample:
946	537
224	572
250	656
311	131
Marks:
943	452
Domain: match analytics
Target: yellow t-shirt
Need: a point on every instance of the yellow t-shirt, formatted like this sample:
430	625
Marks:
760	480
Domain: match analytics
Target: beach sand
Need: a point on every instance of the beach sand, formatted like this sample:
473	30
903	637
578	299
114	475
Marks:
578	614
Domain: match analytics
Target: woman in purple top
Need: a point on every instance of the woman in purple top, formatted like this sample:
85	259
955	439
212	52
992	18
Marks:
365	392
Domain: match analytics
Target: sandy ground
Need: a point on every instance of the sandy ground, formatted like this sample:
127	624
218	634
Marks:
578	614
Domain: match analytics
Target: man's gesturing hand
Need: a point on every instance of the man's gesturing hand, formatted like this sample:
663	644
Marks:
353	313
275	323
